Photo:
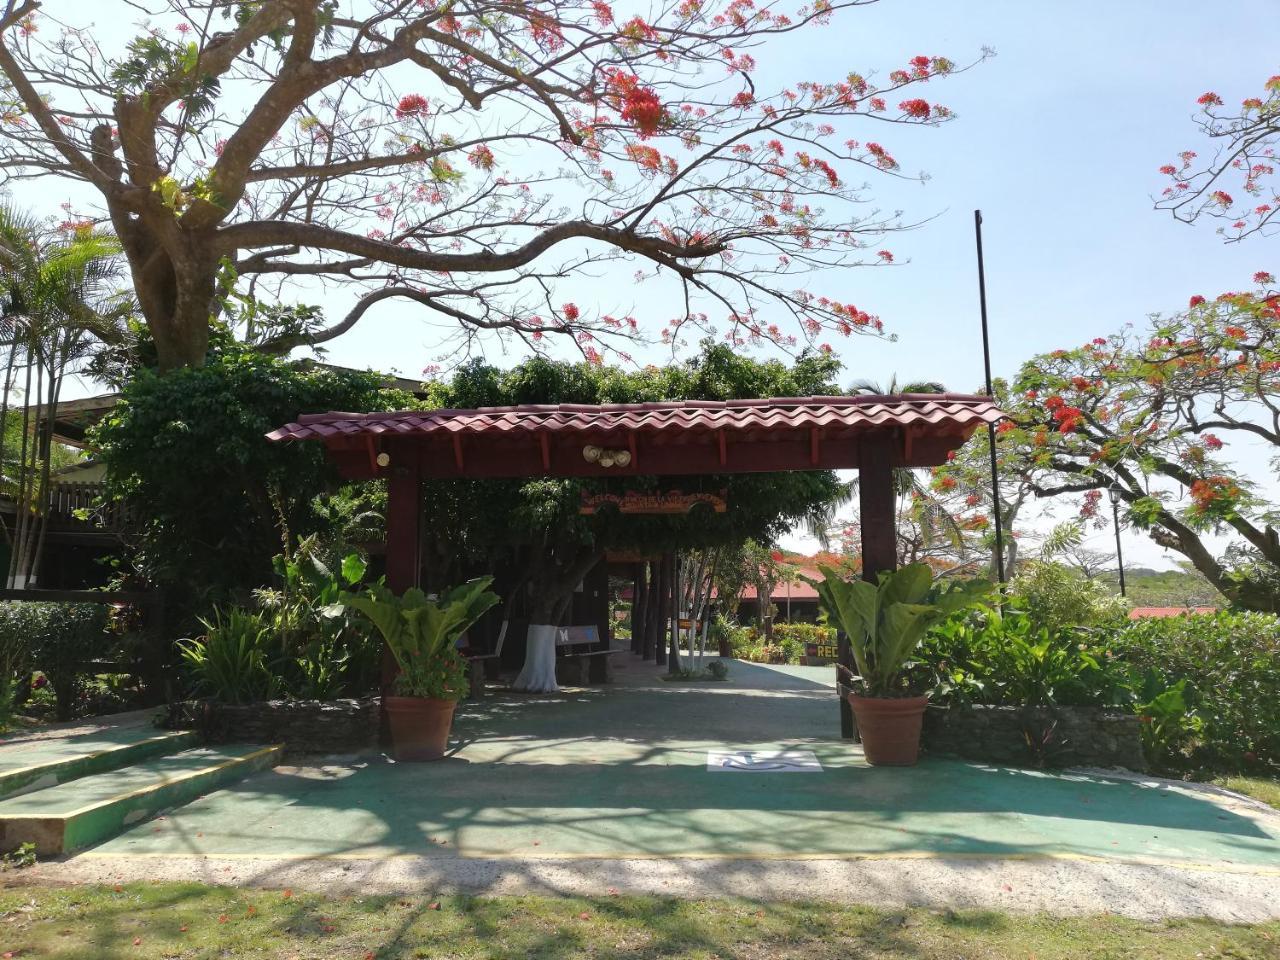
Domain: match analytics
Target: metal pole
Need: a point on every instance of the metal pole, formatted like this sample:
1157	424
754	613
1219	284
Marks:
991	427
1115	514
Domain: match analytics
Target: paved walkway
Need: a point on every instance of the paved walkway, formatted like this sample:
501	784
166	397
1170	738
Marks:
612	787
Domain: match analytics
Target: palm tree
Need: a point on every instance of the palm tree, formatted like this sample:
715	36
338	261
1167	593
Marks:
59	297
929	513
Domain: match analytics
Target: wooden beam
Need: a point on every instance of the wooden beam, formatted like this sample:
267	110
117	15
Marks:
457	451
724	453
635	455
813	446
545	443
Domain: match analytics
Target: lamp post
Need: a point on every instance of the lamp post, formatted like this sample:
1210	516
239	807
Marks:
1115	515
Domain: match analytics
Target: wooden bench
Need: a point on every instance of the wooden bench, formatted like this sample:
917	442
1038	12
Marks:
477	664
576	666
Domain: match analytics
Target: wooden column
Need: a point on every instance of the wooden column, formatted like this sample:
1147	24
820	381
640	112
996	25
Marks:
878	521
653	610
664	610
638	601
876	507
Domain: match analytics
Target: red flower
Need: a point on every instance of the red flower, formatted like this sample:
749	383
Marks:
412	105
1262	276
640	104
1168	169
886	256
481	157
1209	99
917	108
570	311
1221	197
1196	301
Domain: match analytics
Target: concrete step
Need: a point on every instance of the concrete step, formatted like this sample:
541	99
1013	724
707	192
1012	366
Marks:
74	815
41	763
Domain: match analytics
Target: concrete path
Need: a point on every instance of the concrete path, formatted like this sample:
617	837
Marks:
611	787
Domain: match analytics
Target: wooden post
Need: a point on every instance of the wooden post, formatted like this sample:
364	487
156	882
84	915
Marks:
653	611
878	521
677	595
638	600
664	611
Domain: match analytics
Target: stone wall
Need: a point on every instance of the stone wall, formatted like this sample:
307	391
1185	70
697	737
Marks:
1036	736
303	726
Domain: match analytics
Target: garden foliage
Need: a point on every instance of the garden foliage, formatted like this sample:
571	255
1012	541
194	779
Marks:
1227	668
886	621
1205	686
301	641
422	633
216	498
55	638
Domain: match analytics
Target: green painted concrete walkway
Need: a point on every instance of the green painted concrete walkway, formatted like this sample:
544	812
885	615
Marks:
620	771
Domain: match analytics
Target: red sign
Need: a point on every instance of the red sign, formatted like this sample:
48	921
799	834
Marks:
669	502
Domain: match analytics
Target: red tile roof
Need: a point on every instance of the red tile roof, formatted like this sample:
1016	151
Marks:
850	413
800	590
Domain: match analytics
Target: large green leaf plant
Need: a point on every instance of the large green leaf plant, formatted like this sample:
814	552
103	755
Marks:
422	633
886	621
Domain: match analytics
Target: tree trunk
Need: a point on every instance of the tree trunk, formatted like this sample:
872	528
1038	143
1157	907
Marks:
175	292
553	591
639	598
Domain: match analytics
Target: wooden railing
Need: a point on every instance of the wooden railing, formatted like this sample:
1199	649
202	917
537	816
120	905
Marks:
79	505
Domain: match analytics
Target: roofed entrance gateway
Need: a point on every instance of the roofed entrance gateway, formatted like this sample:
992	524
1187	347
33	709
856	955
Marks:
872	434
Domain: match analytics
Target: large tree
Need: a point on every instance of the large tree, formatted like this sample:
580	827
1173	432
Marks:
1151	415
468	156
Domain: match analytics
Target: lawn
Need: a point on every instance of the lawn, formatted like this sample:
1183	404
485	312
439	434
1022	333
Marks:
164	920
1266	790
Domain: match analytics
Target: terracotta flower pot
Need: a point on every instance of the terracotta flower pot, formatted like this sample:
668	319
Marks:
890	728
419	727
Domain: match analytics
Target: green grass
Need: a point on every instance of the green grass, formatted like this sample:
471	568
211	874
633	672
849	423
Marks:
1266	790
169	920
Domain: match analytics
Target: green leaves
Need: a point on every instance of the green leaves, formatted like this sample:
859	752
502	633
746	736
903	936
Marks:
422	633
233	661
885	622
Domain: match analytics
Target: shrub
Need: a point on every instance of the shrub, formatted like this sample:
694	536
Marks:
187	450
1057	597
327	649
1230	663
15	656
234	662
1006	658
55	638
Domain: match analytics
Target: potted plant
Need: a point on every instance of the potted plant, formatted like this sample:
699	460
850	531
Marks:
885	622
422	635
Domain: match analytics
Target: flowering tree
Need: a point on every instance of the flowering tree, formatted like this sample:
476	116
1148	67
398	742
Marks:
1236	186
469	157
1150	416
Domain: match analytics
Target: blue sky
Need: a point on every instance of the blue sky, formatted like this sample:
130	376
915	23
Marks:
1057	139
